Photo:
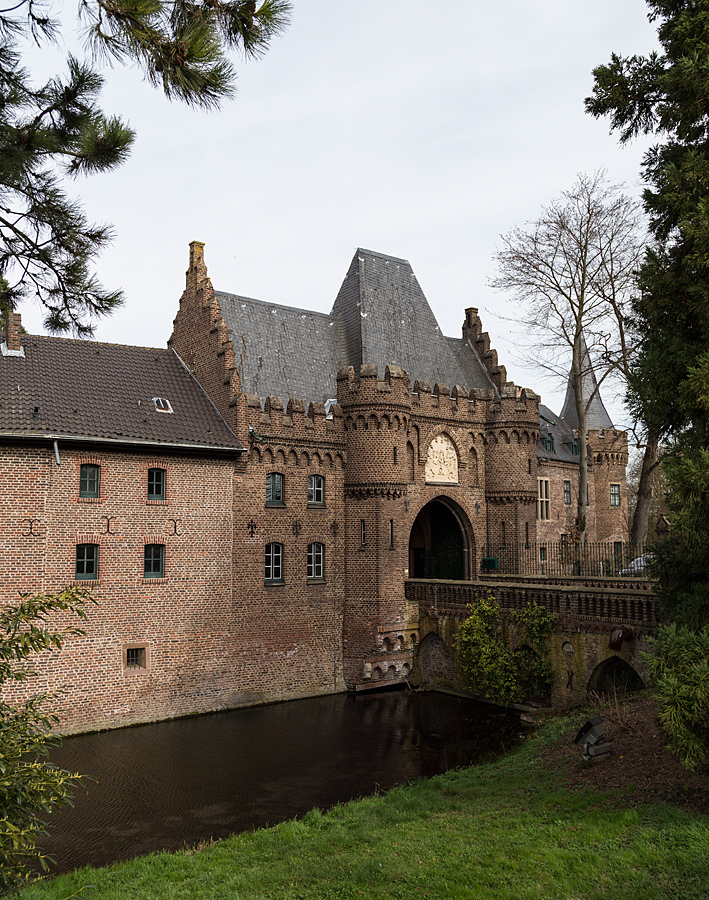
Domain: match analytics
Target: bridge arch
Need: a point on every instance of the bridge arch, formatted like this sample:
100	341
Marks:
441	542
615	674
434	663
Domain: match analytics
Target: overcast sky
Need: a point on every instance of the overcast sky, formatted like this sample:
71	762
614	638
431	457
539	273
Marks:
418	129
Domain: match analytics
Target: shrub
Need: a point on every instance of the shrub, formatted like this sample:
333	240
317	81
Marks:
491	668
678	663
30	787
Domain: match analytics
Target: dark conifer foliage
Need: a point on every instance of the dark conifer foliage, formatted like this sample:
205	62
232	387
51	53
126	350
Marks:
667	94
53	131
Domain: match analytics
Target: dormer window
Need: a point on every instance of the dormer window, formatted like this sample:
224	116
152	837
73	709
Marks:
548	442
162	404
575	449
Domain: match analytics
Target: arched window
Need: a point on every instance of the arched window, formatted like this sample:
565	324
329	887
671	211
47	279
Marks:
274	562
316	560
275	493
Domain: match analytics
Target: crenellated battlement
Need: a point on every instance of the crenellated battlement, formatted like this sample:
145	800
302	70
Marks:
608	446
292	421
368	389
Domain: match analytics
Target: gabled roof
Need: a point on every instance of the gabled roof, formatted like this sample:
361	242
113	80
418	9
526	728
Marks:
380	316
88	391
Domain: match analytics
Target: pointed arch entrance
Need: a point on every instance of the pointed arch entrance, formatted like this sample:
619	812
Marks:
441	542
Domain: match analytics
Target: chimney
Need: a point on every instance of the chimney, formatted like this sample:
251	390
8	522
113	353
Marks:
13	334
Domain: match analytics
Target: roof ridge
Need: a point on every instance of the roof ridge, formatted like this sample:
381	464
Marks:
299	309
89	342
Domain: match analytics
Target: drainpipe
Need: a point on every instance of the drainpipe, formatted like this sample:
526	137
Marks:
56	453
624	633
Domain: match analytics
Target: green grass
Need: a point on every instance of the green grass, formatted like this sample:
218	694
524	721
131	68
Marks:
508	830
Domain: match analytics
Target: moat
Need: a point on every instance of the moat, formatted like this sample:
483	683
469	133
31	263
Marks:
174	784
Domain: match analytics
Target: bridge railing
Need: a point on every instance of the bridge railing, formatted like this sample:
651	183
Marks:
598	559
572	599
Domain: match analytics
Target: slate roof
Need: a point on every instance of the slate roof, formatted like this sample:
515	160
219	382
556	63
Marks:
380	316
282	351
90	391
563	434
596	414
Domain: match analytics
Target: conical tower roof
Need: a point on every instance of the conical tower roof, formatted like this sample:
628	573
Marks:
596	413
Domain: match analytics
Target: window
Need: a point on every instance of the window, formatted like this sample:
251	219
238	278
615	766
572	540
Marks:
316	557
548	442
316	489
391	534
135	658
567	493
543	499
154	561
362	533
162	405
86	562
274	489
615	495
274	562
156	484
575	449
89	480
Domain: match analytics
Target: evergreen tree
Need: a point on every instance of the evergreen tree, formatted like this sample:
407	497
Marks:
57	130
665	94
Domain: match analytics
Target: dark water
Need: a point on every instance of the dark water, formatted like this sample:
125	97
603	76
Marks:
172	784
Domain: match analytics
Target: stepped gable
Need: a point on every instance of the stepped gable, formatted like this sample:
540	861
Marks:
387	321
476	374
282	351
84	390
596	415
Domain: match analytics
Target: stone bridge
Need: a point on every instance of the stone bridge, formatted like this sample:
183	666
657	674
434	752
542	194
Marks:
589	610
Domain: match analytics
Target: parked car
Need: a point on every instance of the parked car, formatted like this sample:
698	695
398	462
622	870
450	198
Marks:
637	566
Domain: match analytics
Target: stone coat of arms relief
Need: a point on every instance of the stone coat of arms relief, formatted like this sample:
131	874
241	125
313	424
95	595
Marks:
442	461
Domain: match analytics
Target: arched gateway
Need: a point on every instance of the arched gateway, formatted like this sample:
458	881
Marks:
441	542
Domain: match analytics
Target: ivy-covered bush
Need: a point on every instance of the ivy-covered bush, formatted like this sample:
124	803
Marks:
491	668
678	663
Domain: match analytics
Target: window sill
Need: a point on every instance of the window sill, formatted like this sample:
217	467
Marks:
155	502
317	506
275	582
319	580
90	499
151	579
273	504
85	582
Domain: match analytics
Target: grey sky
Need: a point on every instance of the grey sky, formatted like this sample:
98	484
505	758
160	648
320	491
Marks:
417	129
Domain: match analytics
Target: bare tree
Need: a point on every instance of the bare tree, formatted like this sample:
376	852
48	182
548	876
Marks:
573	272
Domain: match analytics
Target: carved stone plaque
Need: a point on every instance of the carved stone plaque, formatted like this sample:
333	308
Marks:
442	461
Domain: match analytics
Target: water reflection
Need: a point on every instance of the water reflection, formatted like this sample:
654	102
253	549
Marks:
172	784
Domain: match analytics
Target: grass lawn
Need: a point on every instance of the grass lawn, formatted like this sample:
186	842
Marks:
508	830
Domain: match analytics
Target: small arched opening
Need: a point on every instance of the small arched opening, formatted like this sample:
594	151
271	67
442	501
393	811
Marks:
614	676
441	542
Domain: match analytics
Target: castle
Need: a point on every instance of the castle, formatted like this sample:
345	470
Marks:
248	504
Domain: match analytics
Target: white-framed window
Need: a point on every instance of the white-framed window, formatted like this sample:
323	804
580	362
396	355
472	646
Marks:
567	493
543	500
316	489
275	489
316	560
274	562
615	495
